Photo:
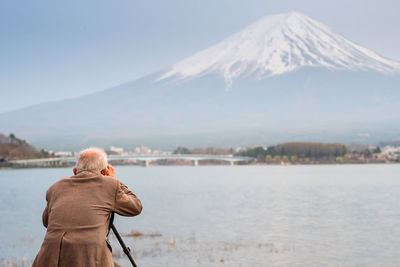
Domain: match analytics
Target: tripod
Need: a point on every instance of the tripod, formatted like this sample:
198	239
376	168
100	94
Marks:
126	249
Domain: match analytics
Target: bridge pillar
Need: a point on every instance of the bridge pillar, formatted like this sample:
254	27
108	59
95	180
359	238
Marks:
195	162
145	163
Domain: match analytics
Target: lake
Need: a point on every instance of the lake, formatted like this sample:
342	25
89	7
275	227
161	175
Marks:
321	215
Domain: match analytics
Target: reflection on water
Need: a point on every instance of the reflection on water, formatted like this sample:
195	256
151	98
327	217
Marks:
329	215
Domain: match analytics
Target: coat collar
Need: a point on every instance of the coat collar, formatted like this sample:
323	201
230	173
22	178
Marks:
85	174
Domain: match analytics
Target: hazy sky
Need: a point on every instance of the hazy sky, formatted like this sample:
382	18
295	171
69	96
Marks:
57	49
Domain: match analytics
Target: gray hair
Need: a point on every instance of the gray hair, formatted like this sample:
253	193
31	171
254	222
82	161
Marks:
91	159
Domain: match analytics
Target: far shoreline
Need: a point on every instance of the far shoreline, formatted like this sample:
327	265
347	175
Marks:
208	165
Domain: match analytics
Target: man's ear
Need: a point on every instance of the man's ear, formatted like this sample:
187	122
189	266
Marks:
104	172
74	171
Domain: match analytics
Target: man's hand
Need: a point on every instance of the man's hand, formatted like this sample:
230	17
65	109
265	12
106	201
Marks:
110	170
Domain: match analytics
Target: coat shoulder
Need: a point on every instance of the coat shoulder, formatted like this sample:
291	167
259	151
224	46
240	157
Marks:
110	181
54	186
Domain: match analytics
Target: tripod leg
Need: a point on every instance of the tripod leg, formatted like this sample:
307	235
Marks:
127	251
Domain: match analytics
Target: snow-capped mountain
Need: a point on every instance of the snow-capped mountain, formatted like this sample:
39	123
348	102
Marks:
289	78
277	44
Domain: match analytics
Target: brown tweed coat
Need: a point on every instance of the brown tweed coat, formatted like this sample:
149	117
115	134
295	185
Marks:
77	218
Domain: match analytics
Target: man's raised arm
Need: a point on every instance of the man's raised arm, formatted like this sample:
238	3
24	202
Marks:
126	202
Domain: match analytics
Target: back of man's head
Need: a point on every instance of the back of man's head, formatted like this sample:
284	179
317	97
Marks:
91	159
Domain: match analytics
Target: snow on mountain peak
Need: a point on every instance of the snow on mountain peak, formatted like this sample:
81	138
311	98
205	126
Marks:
277	44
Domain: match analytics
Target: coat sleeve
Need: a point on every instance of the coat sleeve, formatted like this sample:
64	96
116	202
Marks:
126	202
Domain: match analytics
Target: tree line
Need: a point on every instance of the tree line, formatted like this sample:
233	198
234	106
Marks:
297	150
203	151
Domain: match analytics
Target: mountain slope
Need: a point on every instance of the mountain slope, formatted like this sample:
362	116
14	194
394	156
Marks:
279	44
328	89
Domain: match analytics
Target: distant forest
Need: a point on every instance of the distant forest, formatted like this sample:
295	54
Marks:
296	150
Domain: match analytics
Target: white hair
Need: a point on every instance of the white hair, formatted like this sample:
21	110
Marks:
91	159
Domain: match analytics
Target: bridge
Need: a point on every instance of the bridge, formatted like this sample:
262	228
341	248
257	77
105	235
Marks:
145	160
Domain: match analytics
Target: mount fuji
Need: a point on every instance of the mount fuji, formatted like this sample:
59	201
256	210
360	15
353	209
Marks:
284	77
279	44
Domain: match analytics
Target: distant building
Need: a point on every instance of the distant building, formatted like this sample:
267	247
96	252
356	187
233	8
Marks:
116	150
142	150
239	149
391	152
64	154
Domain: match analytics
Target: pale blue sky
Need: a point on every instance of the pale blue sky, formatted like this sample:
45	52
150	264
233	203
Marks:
57	49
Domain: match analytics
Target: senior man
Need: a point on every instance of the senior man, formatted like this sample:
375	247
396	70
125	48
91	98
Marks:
78	212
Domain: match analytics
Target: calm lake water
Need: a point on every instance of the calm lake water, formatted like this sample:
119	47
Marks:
333	215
